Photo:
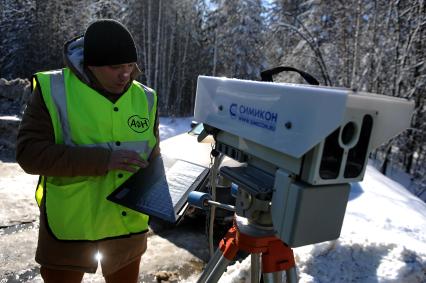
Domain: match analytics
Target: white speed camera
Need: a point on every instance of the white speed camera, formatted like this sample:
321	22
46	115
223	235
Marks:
299	147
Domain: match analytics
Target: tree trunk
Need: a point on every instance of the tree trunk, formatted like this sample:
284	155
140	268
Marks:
148	45
215	54
355	59
171	66
385	163
157	49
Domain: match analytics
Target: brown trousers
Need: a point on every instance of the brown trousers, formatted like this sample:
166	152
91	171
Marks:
128	274
80	256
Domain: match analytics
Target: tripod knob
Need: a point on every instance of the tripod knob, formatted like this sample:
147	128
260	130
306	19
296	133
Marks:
234	190
199	199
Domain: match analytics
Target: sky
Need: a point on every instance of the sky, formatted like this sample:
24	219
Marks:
383	238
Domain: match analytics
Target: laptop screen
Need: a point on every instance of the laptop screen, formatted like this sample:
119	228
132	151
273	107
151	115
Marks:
161	189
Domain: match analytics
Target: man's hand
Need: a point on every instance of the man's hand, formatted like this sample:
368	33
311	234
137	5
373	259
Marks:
126	160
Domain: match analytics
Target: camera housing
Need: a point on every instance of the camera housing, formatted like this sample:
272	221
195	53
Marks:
312	141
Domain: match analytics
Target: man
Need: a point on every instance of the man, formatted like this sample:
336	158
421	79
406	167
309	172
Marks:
87	128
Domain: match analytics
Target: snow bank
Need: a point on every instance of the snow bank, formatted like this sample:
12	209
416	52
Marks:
383	239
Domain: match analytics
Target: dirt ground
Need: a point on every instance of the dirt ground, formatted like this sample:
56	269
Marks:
175	254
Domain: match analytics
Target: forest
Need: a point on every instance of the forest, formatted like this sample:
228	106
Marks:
376	46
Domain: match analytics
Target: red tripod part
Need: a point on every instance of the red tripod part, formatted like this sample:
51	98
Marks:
276	256
228	245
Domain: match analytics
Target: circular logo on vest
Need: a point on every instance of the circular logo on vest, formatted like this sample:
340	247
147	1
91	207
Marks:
138	124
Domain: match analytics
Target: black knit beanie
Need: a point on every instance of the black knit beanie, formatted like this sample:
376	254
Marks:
108	42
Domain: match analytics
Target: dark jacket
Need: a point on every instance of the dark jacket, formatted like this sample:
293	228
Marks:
36	151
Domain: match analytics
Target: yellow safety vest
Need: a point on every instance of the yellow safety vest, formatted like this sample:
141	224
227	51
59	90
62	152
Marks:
76	207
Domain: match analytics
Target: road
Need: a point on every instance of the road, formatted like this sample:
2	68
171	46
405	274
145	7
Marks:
175	254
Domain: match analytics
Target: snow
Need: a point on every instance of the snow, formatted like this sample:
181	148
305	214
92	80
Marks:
170	126
403	178
383	237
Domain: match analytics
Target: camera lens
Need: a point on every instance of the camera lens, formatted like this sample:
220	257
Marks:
348	133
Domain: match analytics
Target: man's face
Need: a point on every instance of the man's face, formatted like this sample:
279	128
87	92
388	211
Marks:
113	78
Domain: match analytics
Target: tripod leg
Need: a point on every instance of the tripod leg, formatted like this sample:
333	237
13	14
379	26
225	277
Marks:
218	270
291	275
210	266
255	268
227	251
273	277
277	277
275	260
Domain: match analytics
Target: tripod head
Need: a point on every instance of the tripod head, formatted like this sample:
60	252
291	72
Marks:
299	147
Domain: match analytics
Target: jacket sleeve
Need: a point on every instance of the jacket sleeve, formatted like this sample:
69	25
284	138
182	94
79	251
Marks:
37	153
156	150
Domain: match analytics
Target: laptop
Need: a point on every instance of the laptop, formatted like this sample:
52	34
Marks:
161	189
